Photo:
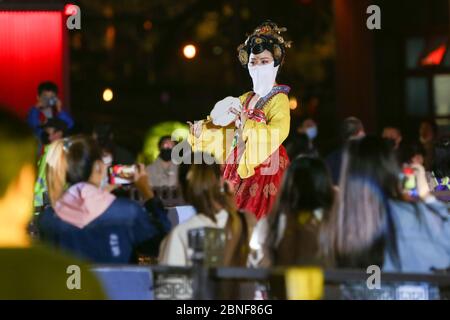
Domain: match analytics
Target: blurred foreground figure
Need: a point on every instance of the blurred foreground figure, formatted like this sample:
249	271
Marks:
428	134
29	271
204	188
86	219
378	222
351	129
290	235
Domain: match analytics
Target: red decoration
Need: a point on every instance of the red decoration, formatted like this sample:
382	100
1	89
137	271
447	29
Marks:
434	58
31	51
70	9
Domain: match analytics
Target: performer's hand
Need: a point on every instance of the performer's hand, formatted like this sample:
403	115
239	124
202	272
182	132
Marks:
241	115
244	117
195	128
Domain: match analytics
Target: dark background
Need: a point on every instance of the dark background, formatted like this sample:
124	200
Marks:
336	67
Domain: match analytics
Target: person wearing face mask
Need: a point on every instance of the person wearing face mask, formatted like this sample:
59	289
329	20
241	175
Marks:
90	222
248	136
163	173
309	127
301	140
393	135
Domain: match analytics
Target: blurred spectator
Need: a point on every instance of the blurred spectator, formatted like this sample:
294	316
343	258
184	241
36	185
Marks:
299	144
413	153
205	190
105	138
309	127
54	129
301	139
163	174
289	236
351	129
393	135
48	106
428	133
374	225
28	271
441	165
91	222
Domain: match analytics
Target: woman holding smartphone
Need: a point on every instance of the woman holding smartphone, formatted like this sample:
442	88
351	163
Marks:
89	221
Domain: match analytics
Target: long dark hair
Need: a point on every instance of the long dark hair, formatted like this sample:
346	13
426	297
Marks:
358	230
306	186
441	160
70	161
203	188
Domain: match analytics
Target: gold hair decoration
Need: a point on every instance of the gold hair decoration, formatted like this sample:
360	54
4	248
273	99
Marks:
277	53
268	31
243	56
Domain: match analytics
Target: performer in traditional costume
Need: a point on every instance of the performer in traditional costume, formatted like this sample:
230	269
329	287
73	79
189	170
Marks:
247	133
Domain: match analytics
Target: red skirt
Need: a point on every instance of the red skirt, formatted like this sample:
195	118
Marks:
257	194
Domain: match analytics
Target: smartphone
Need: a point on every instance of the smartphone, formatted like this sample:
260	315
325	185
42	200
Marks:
410	182
121	174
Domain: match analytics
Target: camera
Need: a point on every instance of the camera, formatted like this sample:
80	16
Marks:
51	102
49	106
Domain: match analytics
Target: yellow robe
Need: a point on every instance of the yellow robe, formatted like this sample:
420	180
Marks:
261	139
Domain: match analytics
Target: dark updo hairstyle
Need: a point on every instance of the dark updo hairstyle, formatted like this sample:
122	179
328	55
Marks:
268	37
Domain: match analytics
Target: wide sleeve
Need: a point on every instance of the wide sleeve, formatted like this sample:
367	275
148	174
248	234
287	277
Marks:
263	139
214	139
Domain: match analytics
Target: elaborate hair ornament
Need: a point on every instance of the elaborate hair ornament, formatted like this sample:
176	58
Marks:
268	32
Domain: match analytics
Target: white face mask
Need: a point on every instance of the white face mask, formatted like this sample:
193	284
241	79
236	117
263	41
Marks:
107	160
263	77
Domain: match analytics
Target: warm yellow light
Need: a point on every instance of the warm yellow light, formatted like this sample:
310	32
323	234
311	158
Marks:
293	103
108	95
148	25
189	51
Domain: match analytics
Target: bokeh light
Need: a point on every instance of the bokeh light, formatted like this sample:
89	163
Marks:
108	94
189	51
293	103
148	25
